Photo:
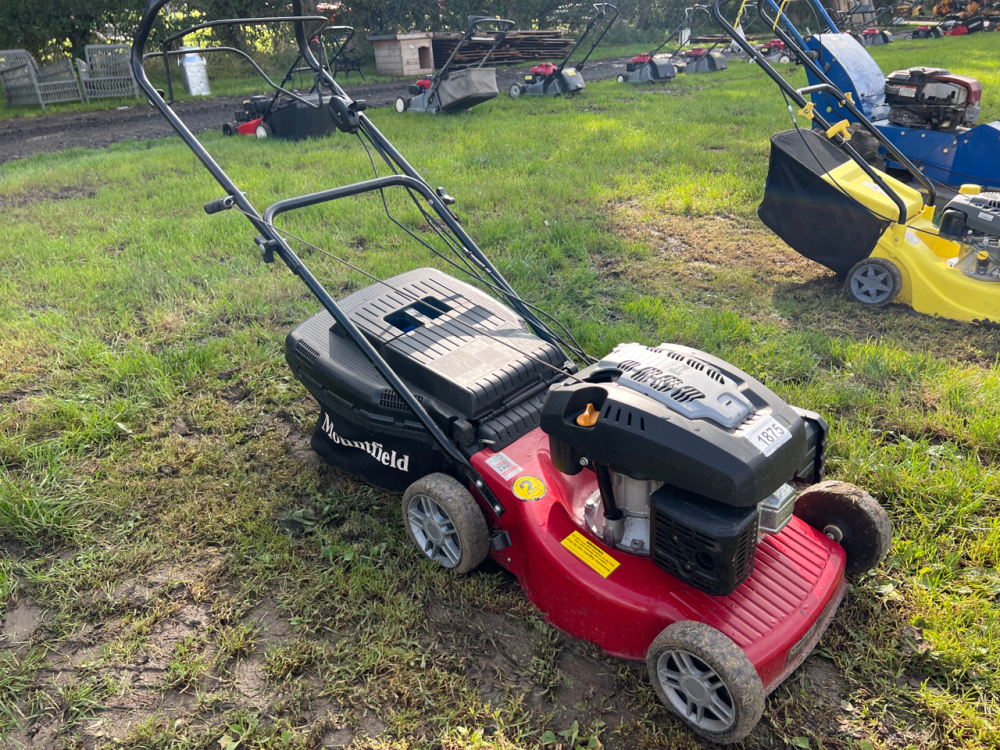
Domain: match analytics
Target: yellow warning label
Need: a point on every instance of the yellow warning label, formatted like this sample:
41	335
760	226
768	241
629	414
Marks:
590	553
529	488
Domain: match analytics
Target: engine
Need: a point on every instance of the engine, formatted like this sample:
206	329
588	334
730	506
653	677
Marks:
974	221
932	99
694	459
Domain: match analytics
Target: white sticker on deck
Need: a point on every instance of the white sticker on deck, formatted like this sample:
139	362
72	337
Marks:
872	186
503	466
767	435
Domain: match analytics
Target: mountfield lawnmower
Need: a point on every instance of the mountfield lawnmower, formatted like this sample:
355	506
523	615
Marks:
454	88
831	206
547	79
928	114
651	502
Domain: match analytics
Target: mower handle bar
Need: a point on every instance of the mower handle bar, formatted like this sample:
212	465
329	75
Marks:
601	9
166	53
275	242
688	18
503	27
829	87
170	84
346	191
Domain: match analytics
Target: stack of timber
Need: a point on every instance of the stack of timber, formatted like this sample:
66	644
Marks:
516	48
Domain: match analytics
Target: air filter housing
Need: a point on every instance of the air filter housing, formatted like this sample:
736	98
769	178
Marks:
707	544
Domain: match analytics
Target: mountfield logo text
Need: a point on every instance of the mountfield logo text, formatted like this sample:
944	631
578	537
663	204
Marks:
383	455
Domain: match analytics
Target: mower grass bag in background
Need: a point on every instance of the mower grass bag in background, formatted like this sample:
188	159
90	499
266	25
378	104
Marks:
467	88
812	215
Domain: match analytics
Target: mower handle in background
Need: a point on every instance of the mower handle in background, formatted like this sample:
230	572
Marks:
602	11
688	17
799	99
844	101
503	28
166	53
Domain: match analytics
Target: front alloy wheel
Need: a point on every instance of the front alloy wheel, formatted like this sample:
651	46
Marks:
704	678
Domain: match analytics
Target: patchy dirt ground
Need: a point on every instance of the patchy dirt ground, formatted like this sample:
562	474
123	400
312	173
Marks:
149	669
22	137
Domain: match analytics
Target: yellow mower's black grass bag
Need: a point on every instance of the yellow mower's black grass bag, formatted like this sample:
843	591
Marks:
817	219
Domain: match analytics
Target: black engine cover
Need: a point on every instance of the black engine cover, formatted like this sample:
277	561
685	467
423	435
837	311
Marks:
639	435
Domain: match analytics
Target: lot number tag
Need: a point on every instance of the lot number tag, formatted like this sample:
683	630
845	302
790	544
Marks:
768	435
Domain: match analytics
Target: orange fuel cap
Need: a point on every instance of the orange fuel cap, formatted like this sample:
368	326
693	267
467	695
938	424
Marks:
589	416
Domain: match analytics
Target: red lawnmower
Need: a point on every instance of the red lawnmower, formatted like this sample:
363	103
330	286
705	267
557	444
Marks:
776	49
657	501
285	114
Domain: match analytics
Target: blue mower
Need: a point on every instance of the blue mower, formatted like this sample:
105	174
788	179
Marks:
929	114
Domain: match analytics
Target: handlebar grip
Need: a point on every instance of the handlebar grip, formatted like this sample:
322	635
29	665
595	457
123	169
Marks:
223	204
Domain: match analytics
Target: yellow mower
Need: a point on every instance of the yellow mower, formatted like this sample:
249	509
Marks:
831	206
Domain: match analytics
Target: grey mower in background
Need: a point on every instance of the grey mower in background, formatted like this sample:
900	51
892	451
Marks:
453	89
547	79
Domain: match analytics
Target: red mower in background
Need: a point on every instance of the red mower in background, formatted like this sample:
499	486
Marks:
872	37
656	501
548	79
776	49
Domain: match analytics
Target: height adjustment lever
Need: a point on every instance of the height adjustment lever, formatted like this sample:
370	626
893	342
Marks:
266	247
445	198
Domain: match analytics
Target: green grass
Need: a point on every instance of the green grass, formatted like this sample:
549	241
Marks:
154	447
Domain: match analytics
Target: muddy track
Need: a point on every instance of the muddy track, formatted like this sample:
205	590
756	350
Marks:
23	137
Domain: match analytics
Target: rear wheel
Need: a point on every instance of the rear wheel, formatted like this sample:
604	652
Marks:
445	522
874	282
516	90
621	79
784	59
263	130
402	105
852	518
706	680
229	128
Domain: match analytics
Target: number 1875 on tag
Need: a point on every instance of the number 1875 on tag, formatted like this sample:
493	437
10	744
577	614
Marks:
768	435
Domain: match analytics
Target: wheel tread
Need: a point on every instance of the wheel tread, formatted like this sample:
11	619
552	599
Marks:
729	662
464	512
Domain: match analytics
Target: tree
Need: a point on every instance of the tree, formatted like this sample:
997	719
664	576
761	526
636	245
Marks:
40	25
642	17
